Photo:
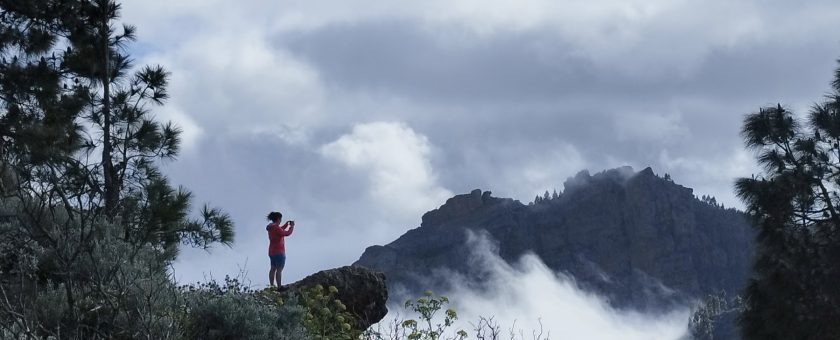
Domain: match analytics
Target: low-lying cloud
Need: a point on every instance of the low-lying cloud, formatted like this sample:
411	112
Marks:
528	296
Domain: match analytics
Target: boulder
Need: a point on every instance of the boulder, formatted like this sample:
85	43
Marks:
362	290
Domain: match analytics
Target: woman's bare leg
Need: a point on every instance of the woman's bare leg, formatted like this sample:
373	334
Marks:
271	274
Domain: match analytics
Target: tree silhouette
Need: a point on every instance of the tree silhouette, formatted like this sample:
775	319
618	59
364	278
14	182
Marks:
793	292
79	154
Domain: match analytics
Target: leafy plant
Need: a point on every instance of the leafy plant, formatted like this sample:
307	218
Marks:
430	324
427	307
326	316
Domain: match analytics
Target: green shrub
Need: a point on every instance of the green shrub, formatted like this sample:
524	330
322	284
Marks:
326	316
233	311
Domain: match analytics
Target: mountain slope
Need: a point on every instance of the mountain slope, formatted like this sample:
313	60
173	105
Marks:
640	240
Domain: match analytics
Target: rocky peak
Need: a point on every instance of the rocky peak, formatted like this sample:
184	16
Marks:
459	206
619	233
617	176
650	181
580	180
362	290
623	179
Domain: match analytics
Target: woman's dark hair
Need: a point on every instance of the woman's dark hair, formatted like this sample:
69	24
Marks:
274	215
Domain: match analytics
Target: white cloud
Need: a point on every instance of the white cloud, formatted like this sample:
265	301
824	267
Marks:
523	171
546	171
649	127
396	161
233	83
232	71
643	38
190	130
711	175
528	292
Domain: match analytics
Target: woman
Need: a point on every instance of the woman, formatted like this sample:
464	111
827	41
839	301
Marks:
277	246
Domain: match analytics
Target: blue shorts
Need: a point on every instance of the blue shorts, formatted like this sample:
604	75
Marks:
278	260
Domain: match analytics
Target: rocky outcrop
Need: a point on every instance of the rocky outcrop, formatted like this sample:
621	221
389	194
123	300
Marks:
636	238
362	290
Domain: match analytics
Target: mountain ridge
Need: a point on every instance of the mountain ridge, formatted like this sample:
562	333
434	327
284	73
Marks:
640	240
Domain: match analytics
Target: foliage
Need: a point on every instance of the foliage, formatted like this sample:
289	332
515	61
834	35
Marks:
326	316
709	314
232	311
114	291
427	306
89	224
794	202
546	197
429	325
80	90
710	200
426	326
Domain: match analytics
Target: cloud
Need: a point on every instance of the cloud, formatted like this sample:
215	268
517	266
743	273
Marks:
709	173
250	175
231	80
396	161
529	296
649	127
520	171
277	98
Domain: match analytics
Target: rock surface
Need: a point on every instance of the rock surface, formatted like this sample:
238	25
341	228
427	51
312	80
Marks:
362	290
640	240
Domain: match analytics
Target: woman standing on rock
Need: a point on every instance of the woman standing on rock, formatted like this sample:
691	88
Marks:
277	246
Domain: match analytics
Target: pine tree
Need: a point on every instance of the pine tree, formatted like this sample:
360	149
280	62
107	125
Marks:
39	110
79	154
793	292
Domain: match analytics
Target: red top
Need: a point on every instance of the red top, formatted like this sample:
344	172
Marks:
276	234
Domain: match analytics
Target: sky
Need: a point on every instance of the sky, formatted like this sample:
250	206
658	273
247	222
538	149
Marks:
353	118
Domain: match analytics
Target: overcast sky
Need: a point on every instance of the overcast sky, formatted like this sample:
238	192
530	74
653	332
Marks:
356	117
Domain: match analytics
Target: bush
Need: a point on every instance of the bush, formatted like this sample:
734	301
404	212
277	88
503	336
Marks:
233	311
326	316
113	291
